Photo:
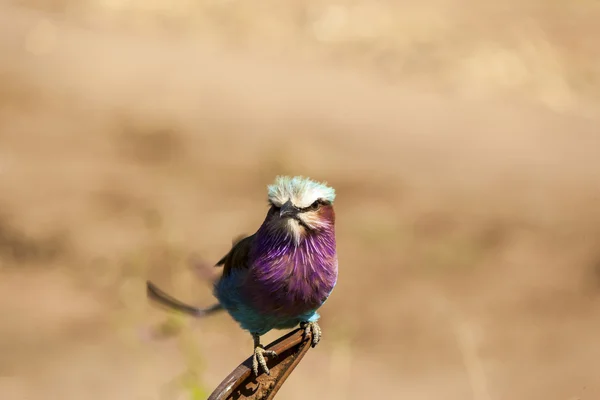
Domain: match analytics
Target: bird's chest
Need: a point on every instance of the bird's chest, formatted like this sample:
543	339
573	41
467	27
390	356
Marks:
293	283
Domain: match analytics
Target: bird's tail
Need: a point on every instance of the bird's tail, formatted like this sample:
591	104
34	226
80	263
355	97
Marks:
154	293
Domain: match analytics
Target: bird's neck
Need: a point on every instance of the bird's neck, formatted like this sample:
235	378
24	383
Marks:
282	242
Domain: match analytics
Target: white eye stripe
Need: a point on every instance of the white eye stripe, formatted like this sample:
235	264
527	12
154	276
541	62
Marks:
299	203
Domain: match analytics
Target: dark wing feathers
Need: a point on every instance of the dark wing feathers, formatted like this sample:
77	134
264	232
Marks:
238	239
237	256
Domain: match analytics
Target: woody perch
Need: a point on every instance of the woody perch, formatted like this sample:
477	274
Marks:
278	277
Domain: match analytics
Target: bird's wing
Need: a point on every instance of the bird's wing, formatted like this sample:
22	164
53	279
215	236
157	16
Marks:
237	256
238	239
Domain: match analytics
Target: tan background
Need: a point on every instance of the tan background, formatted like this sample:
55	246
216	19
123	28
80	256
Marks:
462	137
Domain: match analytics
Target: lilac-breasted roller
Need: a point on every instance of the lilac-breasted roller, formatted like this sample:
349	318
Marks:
278	277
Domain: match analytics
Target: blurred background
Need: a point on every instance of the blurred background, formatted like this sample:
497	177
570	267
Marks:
462	137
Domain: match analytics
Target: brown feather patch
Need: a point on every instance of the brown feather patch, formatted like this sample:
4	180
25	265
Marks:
237	256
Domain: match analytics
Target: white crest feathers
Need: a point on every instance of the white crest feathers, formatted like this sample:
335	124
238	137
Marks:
300	190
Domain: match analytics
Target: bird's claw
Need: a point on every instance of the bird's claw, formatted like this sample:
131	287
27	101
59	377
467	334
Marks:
259	359
315	329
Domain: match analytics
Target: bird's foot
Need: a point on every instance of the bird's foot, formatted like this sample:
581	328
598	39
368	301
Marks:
259	359
312	327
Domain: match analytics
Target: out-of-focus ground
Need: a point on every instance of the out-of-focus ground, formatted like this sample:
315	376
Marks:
462	137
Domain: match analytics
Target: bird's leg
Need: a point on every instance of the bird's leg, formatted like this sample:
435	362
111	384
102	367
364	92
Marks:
312	327
259	356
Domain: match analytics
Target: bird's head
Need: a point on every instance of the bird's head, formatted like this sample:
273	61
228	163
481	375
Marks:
300	206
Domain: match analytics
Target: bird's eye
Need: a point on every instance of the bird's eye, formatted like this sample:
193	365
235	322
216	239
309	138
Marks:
314	205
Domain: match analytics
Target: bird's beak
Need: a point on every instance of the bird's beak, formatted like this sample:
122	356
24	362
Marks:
288	210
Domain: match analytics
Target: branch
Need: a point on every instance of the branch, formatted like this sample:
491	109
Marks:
241	383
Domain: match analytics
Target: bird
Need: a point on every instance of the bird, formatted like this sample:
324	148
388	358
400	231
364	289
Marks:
280	276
